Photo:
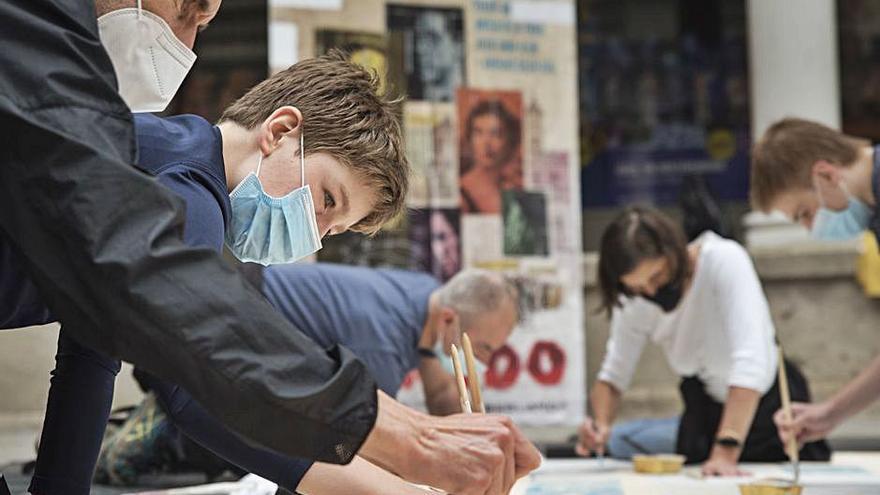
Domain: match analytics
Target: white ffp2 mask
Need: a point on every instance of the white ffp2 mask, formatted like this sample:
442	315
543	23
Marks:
149	60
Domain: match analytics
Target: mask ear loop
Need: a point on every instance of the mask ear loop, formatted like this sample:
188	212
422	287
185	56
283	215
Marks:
302	160
140	8
259	164
819	192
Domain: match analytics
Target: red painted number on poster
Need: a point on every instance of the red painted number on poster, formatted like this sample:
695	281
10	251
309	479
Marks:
503	368
546	364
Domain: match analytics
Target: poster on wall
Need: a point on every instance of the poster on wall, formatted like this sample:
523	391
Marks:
435	237
525	223
432	149
426	51
365	49
550	173
490	147
491	133
520	212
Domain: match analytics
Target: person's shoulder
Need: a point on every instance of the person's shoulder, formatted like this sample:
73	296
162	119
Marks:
329	272
177	124
182	143
722	254
407	276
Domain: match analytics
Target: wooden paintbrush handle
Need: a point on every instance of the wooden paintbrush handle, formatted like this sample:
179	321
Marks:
459	379
792	446
473	376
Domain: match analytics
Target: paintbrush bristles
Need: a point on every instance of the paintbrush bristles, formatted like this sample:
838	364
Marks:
459	379
473	376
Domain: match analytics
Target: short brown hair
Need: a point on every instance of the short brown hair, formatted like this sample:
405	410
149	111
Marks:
636	235
783	159
345	116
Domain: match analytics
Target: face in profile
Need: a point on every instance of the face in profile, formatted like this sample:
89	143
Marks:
487	140
490	331
444	246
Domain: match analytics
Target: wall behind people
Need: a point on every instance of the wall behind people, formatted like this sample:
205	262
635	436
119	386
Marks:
26	358
491	133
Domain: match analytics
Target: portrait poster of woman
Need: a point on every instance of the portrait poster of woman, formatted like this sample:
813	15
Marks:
435	238
490	144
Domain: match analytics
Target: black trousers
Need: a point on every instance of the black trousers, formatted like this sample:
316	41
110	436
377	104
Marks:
702	415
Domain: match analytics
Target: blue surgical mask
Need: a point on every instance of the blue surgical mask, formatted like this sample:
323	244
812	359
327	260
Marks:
842	225
269	230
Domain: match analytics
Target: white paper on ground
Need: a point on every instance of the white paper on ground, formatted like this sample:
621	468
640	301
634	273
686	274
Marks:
586	466
249	485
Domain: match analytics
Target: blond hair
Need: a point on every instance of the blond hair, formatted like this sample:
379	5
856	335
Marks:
783	159
345	116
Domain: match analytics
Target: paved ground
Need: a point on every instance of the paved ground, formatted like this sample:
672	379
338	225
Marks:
17	442
17	446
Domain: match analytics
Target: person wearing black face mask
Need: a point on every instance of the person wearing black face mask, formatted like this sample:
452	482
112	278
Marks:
667	297
702	303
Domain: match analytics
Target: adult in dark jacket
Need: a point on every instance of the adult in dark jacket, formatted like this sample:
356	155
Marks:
102	245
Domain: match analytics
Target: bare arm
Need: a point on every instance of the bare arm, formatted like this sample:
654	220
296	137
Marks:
815	421
605	399
441	392
739	411
594	432
857	394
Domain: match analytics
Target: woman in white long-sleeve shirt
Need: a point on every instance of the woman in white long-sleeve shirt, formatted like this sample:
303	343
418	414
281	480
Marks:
702	303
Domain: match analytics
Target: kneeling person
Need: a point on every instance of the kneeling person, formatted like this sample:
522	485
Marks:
703	304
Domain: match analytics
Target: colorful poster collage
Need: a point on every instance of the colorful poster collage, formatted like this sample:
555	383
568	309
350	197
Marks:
493	183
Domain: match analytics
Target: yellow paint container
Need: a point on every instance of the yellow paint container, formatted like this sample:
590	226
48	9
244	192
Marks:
770	487
658	464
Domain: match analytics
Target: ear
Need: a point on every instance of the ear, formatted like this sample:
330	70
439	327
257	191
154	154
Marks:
448	315
451	328
283	122
827	171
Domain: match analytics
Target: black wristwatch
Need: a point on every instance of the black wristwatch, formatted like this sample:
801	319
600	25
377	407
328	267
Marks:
729	442
427	353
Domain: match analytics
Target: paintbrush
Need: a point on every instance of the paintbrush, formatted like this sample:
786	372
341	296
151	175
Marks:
459	379
473	378
792	446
